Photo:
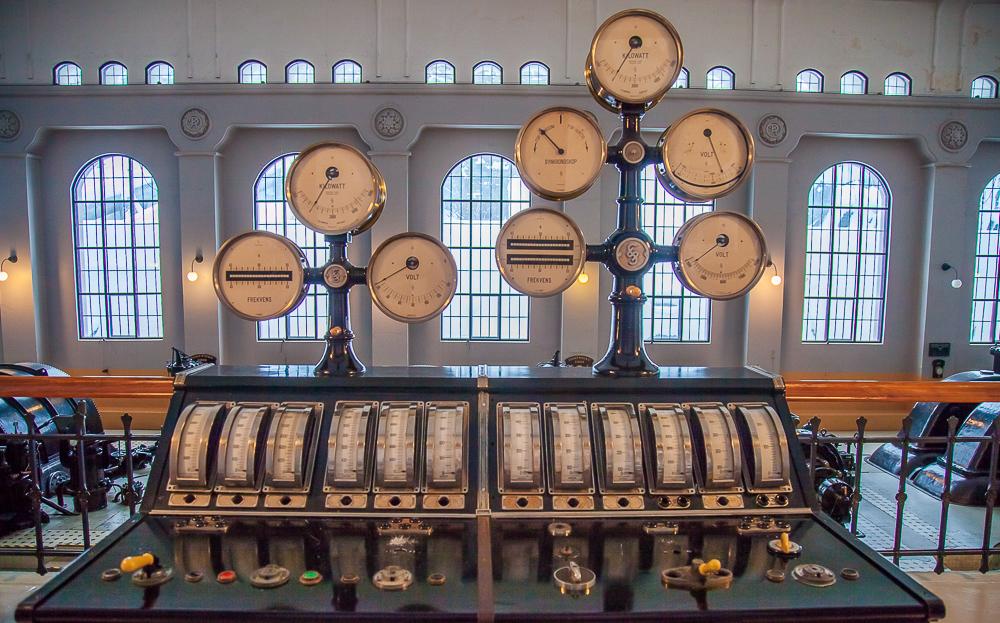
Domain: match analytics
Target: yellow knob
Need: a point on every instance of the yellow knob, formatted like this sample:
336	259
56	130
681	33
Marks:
633	292
336	331
786	545
134	563
710	567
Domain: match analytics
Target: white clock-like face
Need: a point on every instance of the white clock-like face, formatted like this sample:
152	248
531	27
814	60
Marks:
720	255
334	189
706	154
412	277
540	252
559	153
260	275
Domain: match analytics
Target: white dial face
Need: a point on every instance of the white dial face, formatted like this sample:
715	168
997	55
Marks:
621	446
706	154
259	275
396	448
720	255
445	437
287	445
347	440
635	57
241	444
673	446
520	459
334	189
560	152
571	441
720	446
540	252
769	455
191	447
412	277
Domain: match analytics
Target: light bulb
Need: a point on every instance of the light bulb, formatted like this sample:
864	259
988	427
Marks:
192	276
583	278
776	280
956	283
3	275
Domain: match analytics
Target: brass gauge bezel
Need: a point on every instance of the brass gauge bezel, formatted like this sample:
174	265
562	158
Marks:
692	284
535	186
664	170
605	95
374	209
453	268
220	288
504	271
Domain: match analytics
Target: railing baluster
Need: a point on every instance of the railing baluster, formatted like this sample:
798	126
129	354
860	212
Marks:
946	494
813	434
130	478
858	457
36	501
991	499
82	492
897	536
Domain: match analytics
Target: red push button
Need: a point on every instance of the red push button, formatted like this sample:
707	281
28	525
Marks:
226	577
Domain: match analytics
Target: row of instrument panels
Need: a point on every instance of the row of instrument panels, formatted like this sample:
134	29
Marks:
400	454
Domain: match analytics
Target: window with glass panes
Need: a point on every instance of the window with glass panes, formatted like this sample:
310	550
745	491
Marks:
487	72
271	213
116	239
683	78
67	75
300	72
720	78
114	74
984	87
847	252
346	72
986	276
478	195
253	72
853	83
896	84
534	73
672	312
160	73
440	72
809	81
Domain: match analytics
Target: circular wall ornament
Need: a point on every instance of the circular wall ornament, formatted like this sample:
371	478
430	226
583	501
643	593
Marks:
194	123
388	122
10	125
772	129
953	135
632	254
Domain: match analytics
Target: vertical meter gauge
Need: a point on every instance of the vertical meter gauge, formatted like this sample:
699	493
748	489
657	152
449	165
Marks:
723	459
720	255
412	277
240	446
673	465
347	467
635	57
705	155
768	468
520	456
396	446
569	428
446	433
559	153
334	189
622	447
190	445
259	275
290	450
540	252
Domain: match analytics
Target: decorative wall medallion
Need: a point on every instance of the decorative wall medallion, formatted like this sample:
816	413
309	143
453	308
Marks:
388	122
194	123
772	129
953	135
10	125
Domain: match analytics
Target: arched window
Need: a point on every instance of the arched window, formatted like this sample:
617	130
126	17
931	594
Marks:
67	74
159	73
672	312
252	72
114	73
721	78
116	241
854	83
271	213
440	72
809	81
847	249
477	196
897	84
347	72
300	72
487	72
984	87
986	278
683	79
534	73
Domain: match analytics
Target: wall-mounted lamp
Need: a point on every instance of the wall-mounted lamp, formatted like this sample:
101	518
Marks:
12	258
192	274
775	278
583	278
956	282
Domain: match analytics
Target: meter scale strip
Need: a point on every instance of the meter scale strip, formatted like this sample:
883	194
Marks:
258	276
540	259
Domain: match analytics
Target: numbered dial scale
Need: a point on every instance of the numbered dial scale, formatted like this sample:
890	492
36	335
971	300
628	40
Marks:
705	155
412	277
447	432
559	153
259	275
241	445
190	444
720	255
334	189
622	448
723	458
395	450
540	252
672	450
569	428
290	449
346	463
768	468
520	447
634	58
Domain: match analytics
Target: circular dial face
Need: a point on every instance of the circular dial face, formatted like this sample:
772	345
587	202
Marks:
706	154
634	58
720	255
559	153
260	275
412	277
540	252
334	189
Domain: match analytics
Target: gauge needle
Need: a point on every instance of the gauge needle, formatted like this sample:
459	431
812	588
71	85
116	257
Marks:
411	263
707	252
392	274
624	58
320	195
708	135
559	149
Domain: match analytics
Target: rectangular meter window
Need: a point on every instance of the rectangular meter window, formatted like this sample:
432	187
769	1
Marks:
723	460
346	464
396	448
569	429
622	447
769	461
290	446
190	445
672	469
520	456
446	438
241	445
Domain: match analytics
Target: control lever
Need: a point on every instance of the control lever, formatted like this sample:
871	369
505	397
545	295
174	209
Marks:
700	575
146	570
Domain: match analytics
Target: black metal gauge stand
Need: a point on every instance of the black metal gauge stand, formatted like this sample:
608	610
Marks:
629	253
338	276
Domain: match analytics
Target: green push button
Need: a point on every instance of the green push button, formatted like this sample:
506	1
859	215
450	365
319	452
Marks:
308	578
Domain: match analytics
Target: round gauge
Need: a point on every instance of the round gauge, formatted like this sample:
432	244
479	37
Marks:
260	275
705	155
720	255
559	153
412	277
540	252
334	189
634	59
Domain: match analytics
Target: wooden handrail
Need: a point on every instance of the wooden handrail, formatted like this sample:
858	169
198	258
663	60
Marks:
804	390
